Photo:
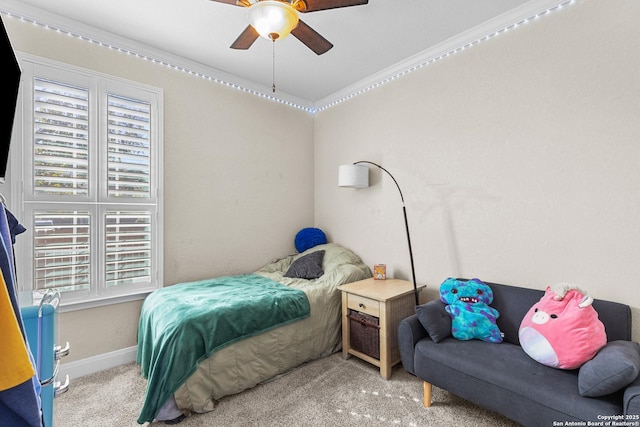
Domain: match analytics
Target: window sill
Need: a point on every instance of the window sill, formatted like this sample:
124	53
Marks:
103	301
27	298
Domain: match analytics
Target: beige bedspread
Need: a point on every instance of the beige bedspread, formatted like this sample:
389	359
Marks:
251	361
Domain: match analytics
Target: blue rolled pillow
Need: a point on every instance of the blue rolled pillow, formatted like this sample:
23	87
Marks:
309	237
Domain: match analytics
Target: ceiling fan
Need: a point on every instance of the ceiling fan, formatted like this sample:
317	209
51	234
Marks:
285	13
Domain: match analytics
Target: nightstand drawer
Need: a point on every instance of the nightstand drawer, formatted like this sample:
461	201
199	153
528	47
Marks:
363	304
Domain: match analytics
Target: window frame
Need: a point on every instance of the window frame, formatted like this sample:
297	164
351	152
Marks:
97	202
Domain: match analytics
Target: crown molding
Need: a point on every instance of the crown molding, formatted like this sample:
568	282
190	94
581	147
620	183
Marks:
50	21
512	20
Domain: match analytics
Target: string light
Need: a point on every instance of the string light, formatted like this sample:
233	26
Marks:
442	56
312	109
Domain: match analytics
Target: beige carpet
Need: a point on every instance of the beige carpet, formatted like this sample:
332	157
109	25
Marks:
326	392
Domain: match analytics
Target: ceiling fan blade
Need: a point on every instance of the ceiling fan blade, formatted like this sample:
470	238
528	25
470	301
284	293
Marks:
233	2
311	38
245	39
315	5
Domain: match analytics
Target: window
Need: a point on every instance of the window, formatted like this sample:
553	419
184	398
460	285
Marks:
91	178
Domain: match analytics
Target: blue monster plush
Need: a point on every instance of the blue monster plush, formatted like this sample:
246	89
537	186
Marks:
468	305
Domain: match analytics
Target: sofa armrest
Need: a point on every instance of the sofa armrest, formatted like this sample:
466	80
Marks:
631	400
410	331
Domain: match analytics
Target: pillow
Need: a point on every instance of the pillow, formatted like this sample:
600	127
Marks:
307	238
562	330
615	366
435	319
307	267
468	305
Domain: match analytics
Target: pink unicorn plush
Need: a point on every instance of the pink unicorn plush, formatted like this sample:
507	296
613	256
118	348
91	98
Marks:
562	330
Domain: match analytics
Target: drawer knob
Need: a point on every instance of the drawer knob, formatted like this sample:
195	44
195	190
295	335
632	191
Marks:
361	305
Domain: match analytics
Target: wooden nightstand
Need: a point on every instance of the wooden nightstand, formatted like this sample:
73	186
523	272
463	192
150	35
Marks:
390	301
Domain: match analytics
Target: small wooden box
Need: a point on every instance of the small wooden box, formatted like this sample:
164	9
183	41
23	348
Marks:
380	272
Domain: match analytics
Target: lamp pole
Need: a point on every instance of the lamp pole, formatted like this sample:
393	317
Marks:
406	226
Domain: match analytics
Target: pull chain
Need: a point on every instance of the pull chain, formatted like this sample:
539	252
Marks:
273	85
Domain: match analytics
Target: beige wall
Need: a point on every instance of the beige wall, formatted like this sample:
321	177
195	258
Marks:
238	179
519	159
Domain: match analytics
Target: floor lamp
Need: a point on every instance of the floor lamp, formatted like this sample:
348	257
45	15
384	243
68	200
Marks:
356	175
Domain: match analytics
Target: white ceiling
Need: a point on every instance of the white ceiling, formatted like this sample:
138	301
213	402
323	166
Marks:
371	42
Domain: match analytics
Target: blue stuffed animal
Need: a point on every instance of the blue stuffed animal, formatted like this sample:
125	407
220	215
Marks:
468	305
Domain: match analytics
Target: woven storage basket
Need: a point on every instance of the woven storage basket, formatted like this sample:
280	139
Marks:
364	333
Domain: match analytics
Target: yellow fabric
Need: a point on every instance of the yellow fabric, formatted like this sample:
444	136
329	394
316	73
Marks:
15	365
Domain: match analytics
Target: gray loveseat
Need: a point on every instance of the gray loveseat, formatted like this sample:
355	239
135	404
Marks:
503	378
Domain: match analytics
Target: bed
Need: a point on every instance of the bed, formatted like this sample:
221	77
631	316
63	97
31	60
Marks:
216	362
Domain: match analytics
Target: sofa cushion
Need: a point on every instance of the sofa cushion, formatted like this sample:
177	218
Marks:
615	366
435	319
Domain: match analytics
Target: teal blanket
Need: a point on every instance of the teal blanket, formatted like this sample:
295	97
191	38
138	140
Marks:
181	325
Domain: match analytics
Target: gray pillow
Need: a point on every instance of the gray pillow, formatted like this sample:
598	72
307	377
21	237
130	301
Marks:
615	366
435	319
307	267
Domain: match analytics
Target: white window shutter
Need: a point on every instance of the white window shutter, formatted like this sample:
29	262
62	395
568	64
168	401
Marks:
129	163
128	247
61	139
61	253
92	191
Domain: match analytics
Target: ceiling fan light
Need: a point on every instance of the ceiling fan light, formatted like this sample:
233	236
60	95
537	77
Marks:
273	20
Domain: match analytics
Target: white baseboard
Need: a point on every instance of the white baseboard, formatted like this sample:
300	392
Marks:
101	362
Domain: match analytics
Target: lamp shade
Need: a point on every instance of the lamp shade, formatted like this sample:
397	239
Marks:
354	176
273	20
